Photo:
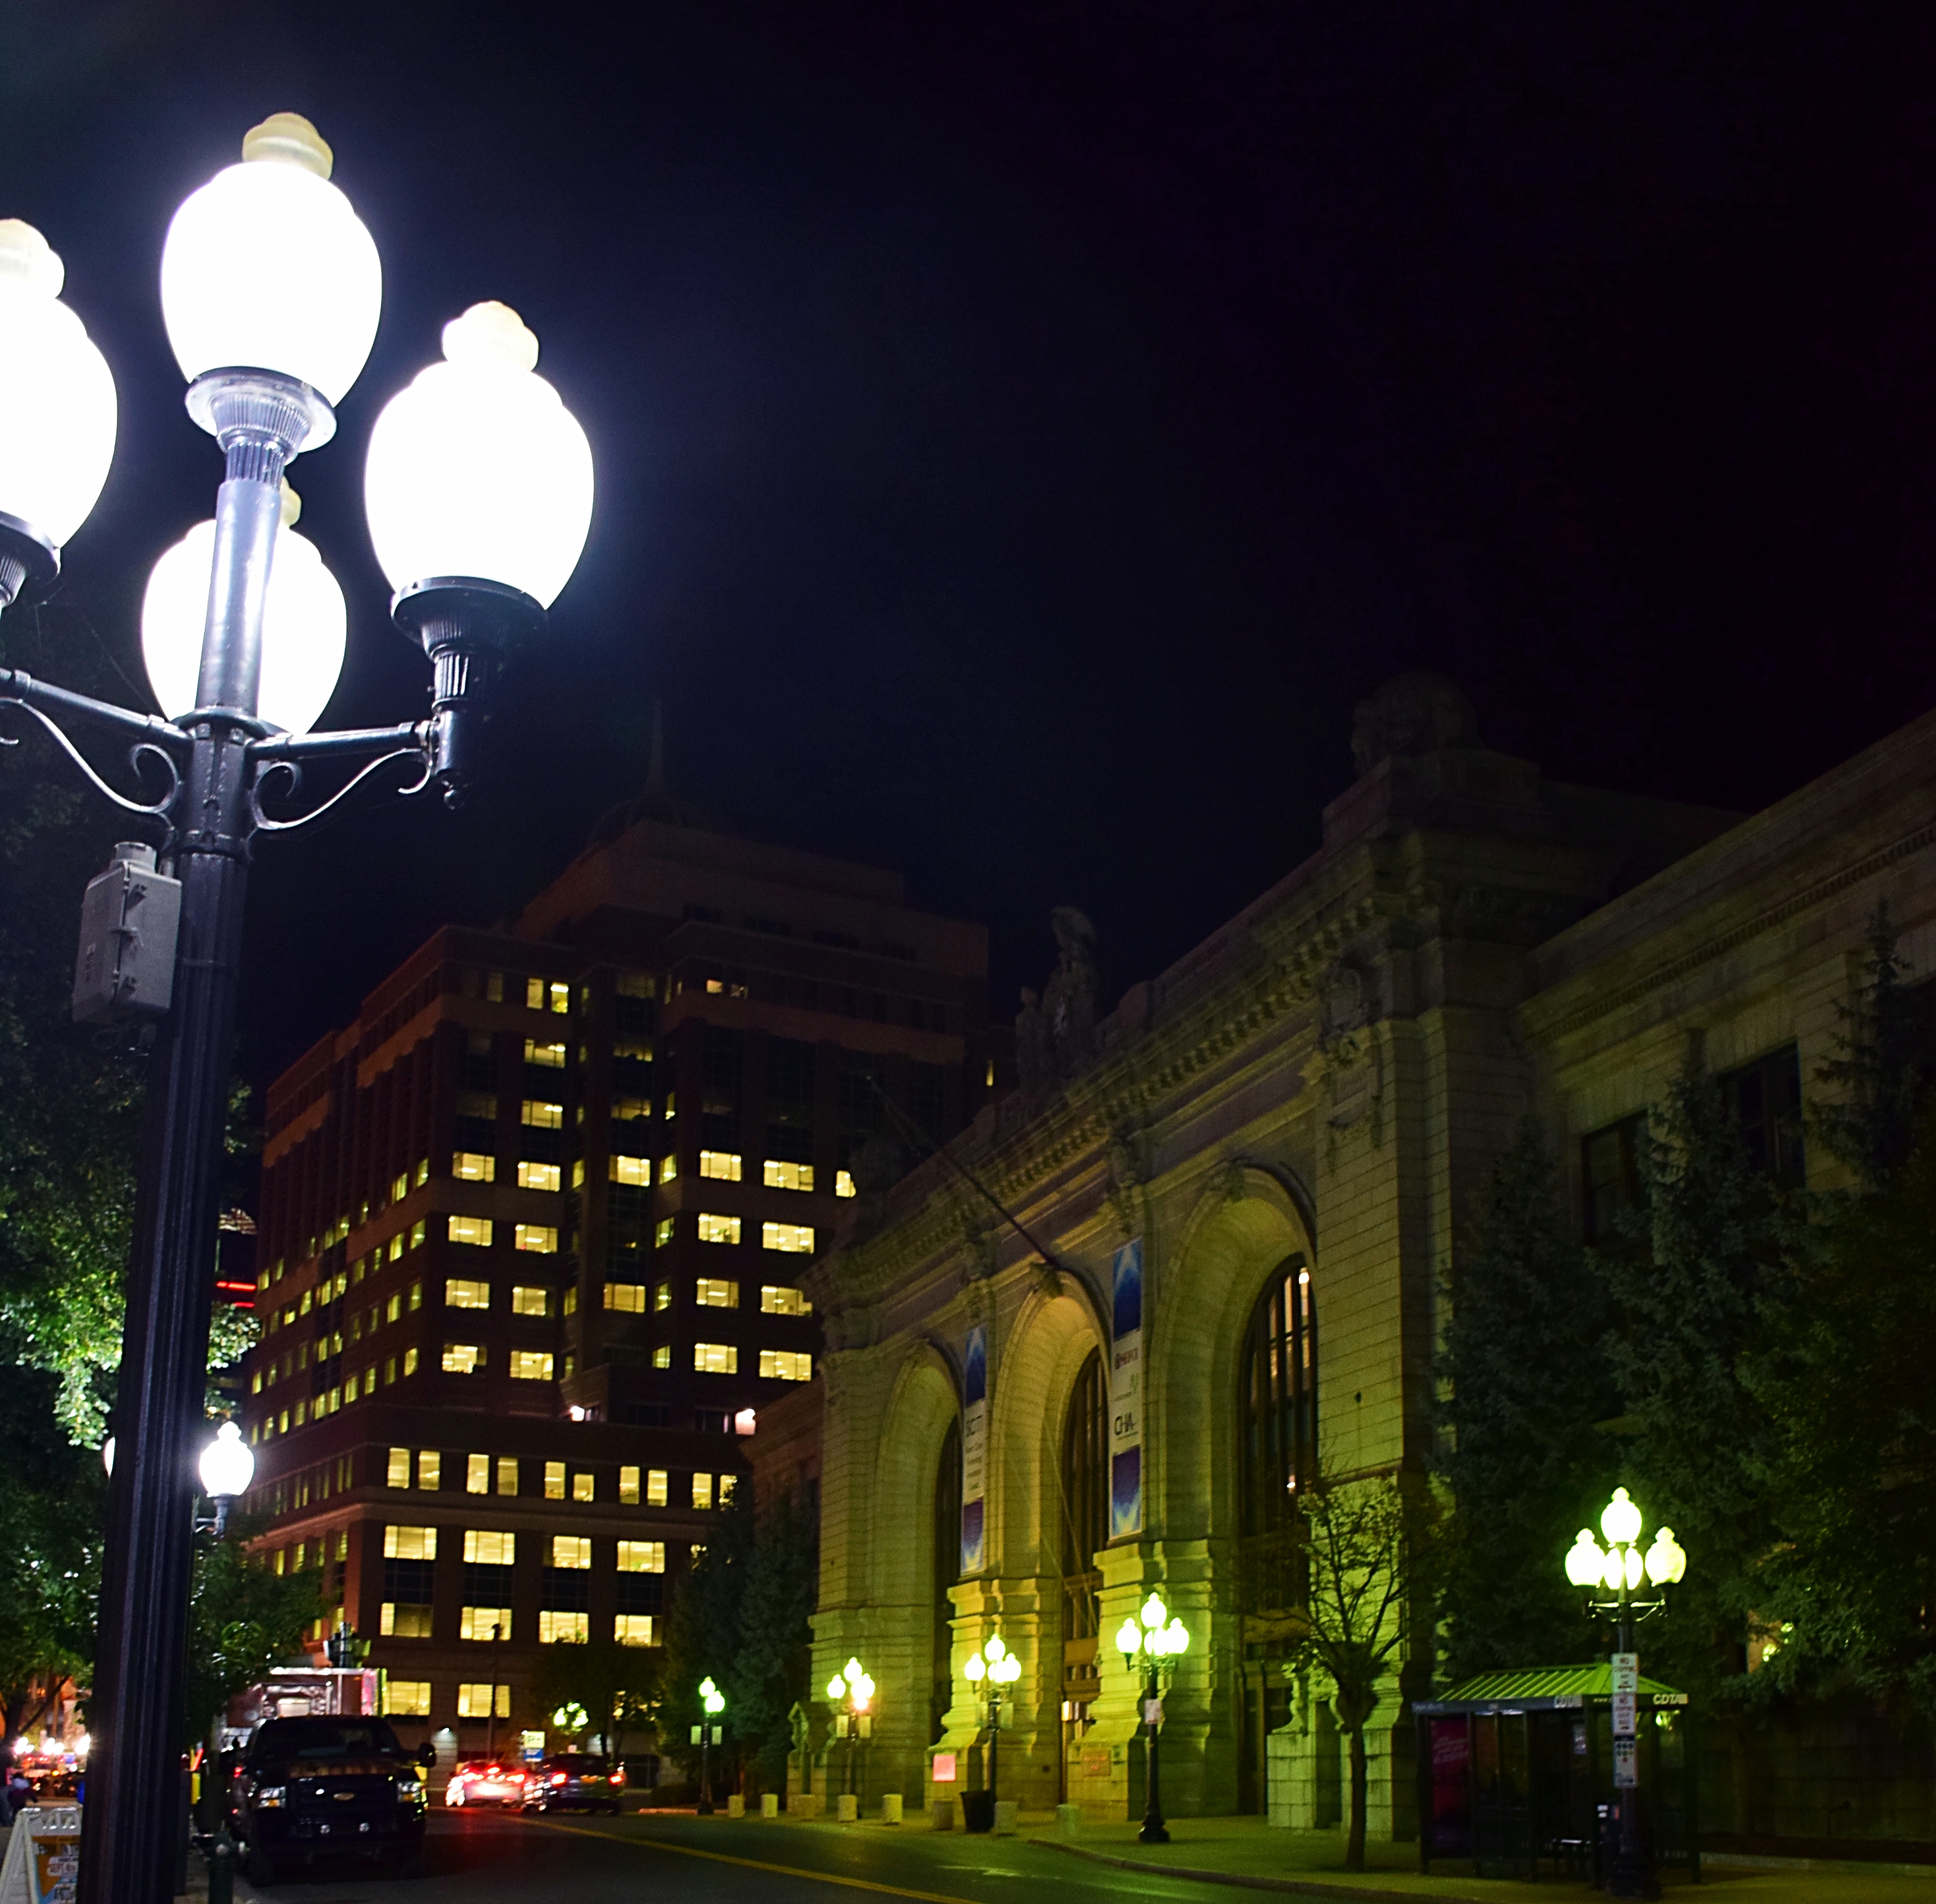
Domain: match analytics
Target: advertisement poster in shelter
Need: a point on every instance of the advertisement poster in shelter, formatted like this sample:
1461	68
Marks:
1126	1392
974	1447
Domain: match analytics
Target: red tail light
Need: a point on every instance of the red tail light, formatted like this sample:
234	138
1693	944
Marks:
619	1778
557	1778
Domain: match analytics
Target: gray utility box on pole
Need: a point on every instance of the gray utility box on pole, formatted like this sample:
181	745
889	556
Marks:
128	921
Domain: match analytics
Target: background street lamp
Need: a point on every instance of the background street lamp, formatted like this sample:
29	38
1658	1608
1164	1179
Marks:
271	289
1612	1578
712	1703
852	1690
227	1466
1001	1668
1157	1641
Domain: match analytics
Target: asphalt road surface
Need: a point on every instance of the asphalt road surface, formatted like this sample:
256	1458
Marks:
489	1857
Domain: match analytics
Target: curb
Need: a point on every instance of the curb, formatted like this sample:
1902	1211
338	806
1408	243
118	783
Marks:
1294	1886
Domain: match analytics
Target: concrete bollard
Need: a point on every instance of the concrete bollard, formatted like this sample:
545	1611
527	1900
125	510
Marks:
890	1807
1006	1811
770	1805
941	1814
848	1809
736	1805
804	1804
1068	1821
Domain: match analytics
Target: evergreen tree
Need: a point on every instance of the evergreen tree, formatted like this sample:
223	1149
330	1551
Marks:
1870	1126
704	1633
772	1671
1524	1384
1704	1450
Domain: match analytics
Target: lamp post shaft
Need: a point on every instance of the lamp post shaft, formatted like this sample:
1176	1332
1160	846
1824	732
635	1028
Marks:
1154	1831
131	1822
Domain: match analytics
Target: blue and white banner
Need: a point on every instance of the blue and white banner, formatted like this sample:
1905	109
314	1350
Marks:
974	1448
1126	1392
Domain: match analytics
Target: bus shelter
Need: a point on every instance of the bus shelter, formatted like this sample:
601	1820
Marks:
1516	1773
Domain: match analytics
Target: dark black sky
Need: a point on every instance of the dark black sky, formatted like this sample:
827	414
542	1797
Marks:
1024	432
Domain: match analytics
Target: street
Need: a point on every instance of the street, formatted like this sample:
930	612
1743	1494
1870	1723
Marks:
489	1857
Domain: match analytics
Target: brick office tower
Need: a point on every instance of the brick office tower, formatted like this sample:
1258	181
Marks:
532	1229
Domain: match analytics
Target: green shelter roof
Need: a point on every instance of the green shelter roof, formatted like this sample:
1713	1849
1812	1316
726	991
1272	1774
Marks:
1546	1685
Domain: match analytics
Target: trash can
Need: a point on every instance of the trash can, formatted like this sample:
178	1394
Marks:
978	1811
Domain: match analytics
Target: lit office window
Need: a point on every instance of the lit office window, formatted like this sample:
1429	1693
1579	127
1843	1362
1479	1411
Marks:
727	1483
715	1293
540	1177
635	1629
642	1556
536	1052
783	1175
538	1237
398	1475
630	1170
662	1296
477	1474
460	1292
406	1699
724	1165
507	1474
475	1701
715	1358
572	1550
430	1468
779	1299
463	1359
843	1183
410	1543
584	1487
531	1365
554	1480
405	1619
474	1167
669	1167
718	1229
796	1239
662	1235
661	1358
702	1490
490	1546
628	1487
542	1115
530	1299
543	996
628	1297
655	1487
786	1365
485	1624
475	1231
563	1629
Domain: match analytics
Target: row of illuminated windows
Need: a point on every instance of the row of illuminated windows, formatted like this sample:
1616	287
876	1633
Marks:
339	1230
709	1292
727	1166
478	1231
723	1358
480	1167
331	1287
496	1547
790	1239
483	1474
468	1292
540	1113
410	1699
472	1357
339	1395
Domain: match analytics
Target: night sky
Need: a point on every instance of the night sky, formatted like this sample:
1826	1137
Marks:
1024	433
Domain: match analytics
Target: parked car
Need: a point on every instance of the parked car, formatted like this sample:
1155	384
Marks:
486	1781
574	1781
314	1788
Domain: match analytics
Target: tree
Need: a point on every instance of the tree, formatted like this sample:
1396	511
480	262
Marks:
705	1628
1525	1387
1370	1544
771	1669
1871	1127
1718	1234
617	1686
243	1619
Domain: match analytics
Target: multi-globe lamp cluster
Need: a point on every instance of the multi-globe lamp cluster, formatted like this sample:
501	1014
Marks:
478	492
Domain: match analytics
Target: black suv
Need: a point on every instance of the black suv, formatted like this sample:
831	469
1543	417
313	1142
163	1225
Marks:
314	1788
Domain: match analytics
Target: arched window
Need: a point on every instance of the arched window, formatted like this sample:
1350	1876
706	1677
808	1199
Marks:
1278	1451
1085	1528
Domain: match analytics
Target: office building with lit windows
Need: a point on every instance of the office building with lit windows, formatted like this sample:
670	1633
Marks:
532	1231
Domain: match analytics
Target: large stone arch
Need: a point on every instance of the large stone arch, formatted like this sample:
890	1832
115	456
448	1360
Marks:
1241	1230
923	1403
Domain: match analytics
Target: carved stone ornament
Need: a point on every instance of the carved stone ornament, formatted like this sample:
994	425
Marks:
1127	1157
1351	1059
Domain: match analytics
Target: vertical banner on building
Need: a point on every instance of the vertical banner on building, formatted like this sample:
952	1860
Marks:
974	1448
1126	1392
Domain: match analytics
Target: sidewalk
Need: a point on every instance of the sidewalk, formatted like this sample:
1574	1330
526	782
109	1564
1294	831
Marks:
1247	1854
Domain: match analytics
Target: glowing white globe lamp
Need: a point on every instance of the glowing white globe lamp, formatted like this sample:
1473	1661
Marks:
305	626
1666	1559
59	437
477	471
267	268
1619	1521
227	1465
1585	1563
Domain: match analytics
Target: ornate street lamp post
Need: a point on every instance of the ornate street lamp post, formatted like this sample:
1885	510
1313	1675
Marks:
479	491
1157	1641
852	1690
1611	1578
1000	1669
712	1703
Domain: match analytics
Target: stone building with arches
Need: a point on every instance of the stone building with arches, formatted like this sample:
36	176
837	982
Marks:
1288	1128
